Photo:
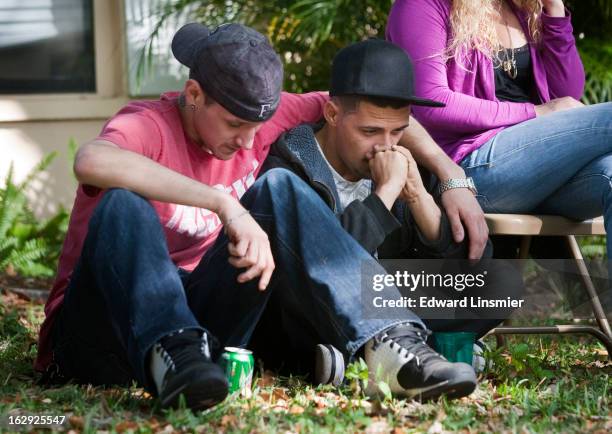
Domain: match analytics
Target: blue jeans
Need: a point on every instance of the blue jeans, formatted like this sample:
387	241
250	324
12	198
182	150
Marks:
126	293
556	164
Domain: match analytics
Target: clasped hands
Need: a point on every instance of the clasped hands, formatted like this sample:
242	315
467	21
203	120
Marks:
395	174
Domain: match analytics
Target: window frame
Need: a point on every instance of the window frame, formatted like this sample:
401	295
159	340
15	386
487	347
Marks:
111	83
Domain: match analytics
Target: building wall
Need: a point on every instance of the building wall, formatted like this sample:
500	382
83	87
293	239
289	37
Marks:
26	144
32	126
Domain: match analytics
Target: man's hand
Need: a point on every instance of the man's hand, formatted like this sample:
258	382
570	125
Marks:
461	206
413	188
249	246
424	209
389	170
103	164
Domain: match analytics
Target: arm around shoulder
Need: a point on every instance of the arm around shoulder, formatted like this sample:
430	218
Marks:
296	109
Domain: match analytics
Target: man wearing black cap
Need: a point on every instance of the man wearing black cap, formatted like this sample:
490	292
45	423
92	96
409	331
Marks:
161	259
157	187
354	163
371	90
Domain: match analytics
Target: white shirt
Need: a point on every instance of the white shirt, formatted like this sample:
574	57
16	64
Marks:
348	191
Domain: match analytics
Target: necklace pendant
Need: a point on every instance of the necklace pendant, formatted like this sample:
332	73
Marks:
513	73
509	67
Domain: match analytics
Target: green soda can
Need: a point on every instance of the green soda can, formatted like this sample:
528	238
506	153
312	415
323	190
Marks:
239	365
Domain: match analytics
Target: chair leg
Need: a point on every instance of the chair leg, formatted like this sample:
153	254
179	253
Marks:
522	254
524	249
500	339
600	315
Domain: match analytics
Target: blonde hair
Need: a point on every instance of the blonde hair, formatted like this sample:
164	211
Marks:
472	27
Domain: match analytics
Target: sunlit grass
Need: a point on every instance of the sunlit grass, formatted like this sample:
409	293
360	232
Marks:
536	384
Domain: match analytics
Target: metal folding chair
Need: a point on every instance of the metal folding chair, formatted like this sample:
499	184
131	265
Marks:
528	226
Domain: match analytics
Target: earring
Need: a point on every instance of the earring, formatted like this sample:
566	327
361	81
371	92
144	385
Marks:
193	107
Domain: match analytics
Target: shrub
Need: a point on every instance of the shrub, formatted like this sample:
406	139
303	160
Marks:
28	246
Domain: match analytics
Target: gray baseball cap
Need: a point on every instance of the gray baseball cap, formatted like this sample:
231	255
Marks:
235	65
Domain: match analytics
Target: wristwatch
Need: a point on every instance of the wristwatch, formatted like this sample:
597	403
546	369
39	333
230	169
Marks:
457	183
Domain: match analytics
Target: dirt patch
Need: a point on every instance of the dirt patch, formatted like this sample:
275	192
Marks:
31	289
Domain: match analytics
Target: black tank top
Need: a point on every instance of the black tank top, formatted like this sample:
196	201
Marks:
519	89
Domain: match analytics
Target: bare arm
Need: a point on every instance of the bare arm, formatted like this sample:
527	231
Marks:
396	175
428	154
460	204
423	208
554	8
102	164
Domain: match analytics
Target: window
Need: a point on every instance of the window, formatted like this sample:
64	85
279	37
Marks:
46	46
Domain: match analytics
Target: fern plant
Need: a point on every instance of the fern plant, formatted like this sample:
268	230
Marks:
28	247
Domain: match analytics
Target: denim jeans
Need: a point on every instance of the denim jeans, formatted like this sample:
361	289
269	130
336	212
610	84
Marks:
126	293
556	164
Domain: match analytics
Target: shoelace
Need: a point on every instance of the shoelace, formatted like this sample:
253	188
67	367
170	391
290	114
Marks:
411	340
184	347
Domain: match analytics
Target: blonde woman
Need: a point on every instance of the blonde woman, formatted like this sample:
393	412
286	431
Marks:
511	77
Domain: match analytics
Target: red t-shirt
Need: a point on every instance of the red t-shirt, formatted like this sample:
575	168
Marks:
154	129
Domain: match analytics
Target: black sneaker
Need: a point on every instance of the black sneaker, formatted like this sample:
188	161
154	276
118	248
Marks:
180	364
401	358
329	365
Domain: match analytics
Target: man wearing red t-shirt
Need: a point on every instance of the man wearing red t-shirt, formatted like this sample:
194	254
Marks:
147	279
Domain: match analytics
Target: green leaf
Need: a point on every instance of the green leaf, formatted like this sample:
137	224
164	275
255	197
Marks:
520	351
22	230
30	246
385	389
37	170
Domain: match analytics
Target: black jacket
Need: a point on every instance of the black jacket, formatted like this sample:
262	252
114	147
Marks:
390	234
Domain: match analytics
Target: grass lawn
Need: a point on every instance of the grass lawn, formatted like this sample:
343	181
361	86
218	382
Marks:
538	384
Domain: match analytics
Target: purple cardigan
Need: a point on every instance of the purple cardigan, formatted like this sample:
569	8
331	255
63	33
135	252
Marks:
473	114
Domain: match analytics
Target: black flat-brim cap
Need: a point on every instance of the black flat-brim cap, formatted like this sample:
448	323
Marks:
375	68
235	65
